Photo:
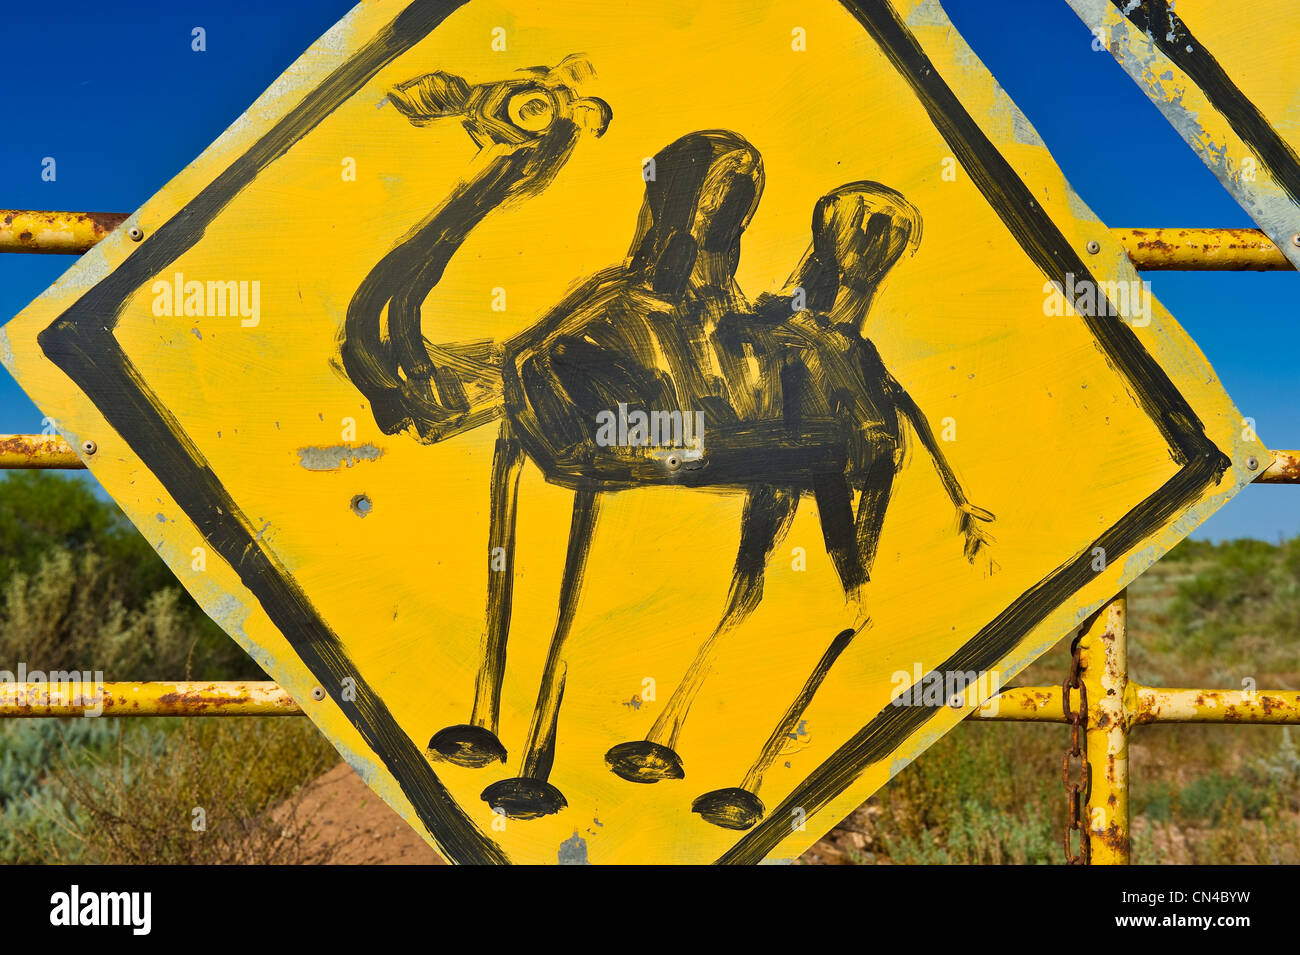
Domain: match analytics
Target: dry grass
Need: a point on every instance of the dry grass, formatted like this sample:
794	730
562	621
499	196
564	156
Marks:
196	792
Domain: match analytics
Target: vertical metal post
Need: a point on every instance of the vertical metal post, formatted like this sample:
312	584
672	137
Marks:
1103	650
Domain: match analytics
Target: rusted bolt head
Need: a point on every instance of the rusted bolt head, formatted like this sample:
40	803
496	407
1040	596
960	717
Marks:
89	447
1252	464
136	233
318	693
1093	247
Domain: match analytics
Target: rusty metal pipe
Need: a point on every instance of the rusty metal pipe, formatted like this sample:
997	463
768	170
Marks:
23	230
72	697
1022	704
37	451
1163	705
1103	649
51	451
1202	250
1150	704
70	233
1284	469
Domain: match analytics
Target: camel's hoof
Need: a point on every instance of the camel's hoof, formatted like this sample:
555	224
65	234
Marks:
465	745
732	808
642	761
524	798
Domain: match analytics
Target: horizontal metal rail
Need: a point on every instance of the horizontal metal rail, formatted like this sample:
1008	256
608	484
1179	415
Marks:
1020	704
1150	704
21	451
1284	469
24	451
73	697
1202	250
69	233
1229	250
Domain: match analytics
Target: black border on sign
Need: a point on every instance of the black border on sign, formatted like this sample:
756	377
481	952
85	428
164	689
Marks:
81	343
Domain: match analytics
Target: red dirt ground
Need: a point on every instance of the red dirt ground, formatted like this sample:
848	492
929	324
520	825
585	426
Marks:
343	810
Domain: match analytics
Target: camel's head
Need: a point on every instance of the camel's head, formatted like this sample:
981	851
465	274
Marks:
537	104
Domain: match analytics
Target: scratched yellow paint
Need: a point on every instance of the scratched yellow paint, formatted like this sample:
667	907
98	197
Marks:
1254	50
1044	432
1224	51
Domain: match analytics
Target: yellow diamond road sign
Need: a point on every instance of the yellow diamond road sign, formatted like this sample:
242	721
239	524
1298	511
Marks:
645	429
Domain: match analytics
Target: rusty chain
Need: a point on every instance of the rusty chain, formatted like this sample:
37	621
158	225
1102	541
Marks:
1077	788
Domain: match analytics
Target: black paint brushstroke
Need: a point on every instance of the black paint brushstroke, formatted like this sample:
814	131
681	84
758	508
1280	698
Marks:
438	391
785	729
539	755
410	383
739	807
799	401
81	343
834	496
1170	35
530	795
1202	464
764	522
507	467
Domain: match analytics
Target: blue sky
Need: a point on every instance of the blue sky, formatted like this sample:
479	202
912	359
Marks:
116	95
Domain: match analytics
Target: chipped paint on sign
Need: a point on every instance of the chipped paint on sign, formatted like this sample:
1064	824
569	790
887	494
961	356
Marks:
1224	80
337	455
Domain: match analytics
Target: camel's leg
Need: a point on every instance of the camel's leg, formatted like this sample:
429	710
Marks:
529	795
740	807
835	510
476	743
872	504
768	513
507	465
852	546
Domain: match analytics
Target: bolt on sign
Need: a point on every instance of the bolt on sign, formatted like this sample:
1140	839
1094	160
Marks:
1226	82
625	462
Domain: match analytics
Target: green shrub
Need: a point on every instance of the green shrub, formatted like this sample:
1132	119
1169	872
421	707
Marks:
1240	597
80	589
134	801
1206	799
1155	800
981	793
977	834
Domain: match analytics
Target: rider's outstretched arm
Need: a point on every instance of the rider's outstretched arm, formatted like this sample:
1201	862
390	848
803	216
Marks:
969	517
921	425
